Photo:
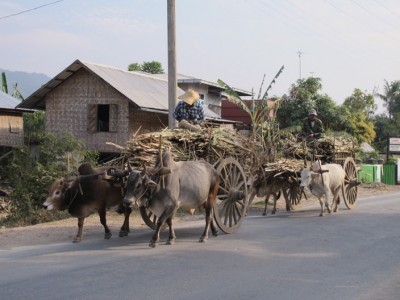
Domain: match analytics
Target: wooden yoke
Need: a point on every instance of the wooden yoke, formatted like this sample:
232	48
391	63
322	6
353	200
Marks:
320	171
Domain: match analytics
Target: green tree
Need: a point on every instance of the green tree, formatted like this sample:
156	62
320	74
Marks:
153	67
34	126
361	107
384	128
295	106
135	67
391	98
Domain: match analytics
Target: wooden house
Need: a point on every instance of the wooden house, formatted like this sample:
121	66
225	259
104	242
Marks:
100	104
11	123
233	112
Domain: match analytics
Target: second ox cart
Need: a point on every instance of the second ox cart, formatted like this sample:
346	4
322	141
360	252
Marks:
340	149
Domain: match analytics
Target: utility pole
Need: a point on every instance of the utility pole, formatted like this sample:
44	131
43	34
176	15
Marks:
299	53
172	81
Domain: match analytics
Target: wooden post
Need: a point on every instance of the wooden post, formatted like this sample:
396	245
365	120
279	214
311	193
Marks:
172	81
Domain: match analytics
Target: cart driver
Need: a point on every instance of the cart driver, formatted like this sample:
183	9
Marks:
312	127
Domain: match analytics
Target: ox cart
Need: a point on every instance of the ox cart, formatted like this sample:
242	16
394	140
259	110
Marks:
231	154
331	149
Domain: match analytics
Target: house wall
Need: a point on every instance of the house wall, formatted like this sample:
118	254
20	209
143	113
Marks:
143	122
231	111
67	111
68	108
11	129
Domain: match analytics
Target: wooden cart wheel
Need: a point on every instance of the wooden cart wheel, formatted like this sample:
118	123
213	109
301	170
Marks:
350	182
292	193
231	205
149	218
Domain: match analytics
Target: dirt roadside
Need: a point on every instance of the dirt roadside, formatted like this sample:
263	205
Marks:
65	230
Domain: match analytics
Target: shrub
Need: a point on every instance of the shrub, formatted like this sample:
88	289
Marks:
30	177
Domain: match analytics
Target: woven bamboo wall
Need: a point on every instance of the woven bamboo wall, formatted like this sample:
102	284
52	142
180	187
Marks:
69	108
11	129
146	121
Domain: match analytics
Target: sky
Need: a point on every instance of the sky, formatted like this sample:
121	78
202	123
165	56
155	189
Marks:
348	44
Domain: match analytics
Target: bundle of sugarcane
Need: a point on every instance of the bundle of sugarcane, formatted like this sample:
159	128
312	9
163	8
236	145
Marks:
210	144
284	165
323	147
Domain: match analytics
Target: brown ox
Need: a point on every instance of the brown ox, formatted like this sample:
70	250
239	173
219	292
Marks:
266	185
85	195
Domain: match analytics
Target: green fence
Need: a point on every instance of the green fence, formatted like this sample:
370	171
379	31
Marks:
389	174
368	174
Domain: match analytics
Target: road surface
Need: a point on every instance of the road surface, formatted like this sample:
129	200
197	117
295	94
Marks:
352	254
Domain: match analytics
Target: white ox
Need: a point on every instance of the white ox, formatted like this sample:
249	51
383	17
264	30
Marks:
321	183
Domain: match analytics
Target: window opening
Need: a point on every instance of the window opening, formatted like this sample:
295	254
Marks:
103	118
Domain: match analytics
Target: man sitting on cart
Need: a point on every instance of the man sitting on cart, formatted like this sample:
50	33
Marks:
312	127
189	112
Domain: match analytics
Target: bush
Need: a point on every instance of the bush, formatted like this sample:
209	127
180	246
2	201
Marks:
30	177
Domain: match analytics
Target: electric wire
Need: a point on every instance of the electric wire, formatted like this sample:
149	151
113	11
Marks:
28	10
375	15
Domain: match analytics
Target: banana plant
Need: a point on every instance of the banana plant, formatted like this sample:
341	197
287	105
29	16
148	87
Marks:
4	87
17	93
265	129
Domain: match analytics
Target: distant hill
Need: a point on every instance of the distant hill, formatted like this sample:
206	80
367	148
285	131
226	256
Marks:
27	83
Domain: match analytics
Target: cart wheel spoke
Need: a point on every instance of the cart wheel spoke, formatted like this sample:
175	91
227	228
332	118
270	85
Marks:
350	183
231	204
149	218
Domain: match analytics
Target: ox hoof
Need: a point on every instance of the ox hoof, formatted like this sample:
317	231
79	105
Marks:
203	240
170	242
123	233
77	240
107	236
153	244
215	233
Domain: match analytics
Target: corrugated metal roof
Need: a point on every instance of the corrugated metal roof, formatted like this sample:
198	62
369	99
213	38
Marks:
7	101
144	90
189	79
148	91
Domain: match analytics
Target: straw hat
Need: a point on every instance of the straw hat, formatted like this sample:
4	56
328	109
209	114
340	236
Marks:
312	112
189	97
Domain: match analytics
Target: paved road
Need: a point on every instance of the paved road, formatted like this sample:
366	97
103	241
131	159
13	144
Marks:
349	255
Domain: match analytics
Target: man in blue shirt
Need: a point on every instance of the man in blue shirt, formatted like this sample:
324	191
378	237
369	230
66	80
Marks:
189	108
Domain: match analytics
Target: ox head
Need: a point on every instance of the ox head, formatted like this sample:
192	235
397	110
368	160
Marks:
307	176
55	196
140	186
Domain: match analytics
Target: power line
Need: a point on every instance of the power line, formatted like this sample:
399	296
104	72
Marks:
388	9
25	11
375	15
359	21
